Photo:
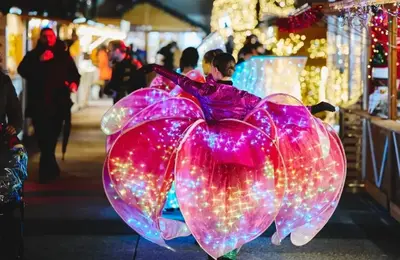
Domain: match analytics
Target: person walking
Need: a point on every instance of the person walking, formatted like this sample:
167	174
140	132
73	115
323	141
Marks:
10	106
125	76
51	76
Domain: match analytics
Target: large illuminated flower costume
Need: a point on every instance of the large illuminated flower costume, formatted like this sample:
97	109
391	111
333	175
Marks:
239	164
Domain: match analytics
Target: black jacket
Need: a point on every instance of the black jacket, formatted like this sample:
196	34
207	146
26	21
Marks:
47	81
125	78
10	106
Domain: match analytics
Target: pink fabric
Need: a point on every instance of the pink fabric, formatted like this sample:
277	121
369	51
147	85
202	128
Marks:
119	114
306	233
315	168
233	178
140	182
160	82
217	100
226	175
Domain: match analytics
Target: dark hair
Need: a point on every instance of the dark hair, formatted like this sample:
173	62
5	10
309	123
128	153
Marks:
189	58
45	30
225	63
210	55
118	45
248	50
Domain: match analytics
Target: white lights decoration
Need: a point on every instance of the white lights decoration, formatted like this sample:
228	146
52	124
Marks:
263	75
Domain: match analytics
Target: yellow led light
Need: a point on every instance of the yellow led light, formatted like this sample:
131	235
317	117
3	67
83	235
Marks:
318	49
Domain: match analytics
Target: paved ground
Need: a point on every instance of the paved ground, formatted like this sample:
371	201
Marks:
71	218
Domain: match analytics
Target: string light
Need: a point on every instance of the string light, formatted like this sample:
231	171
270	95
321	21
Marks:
276	7
241	13
240	18
288	46
311	189
318	49
310	80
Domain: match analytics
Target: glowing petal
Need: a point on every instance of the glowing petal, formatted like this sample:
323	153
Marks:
168	108
226	178
140	165
314	167
119	114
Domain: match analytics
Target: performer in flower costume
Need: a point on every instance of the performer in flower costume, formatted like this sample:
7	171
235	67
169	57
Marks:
239	163
187	66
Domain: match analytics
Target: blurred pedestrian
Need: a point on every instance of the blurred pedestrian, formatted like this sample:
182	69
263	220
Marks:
125	76
51	75
10	106
167	54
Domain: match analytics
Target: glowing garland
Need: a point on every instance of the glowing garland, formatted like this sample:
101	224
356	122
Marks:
288	46
240	15
310	80
240	18
276	7
318	49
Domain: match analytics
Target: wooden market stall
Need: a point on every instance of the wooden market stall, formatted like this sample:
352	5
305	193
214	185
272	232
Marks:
372	123
153	25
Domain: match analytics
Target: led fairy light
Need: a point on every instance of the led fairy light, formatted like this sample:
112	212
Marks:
287	46
318	49
310	80
345	82
303	201
219	206
242	14
230	175
276	7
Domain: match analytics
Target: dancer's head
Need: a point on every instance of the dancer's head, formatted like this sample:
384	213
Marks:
223	66
117	50
189	59
208	59
248	52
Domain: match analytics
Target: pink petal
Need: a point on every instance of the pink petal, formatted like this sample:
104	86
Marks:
260	118
141	166
169	108
228	183
314	165
159	82
119	114
132	216
306	233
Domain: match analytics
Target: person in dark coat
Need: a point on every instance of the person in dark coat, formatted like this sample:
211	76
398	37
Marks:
10	106
167	54
125	75
230	44
51	76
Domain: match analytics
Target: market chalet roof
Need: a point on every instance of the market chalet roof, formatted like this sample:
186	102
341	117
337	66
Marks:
195	12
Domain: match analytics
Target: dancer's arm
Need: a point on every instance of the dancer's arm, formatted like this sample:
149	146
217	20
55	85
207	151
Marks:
192	87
